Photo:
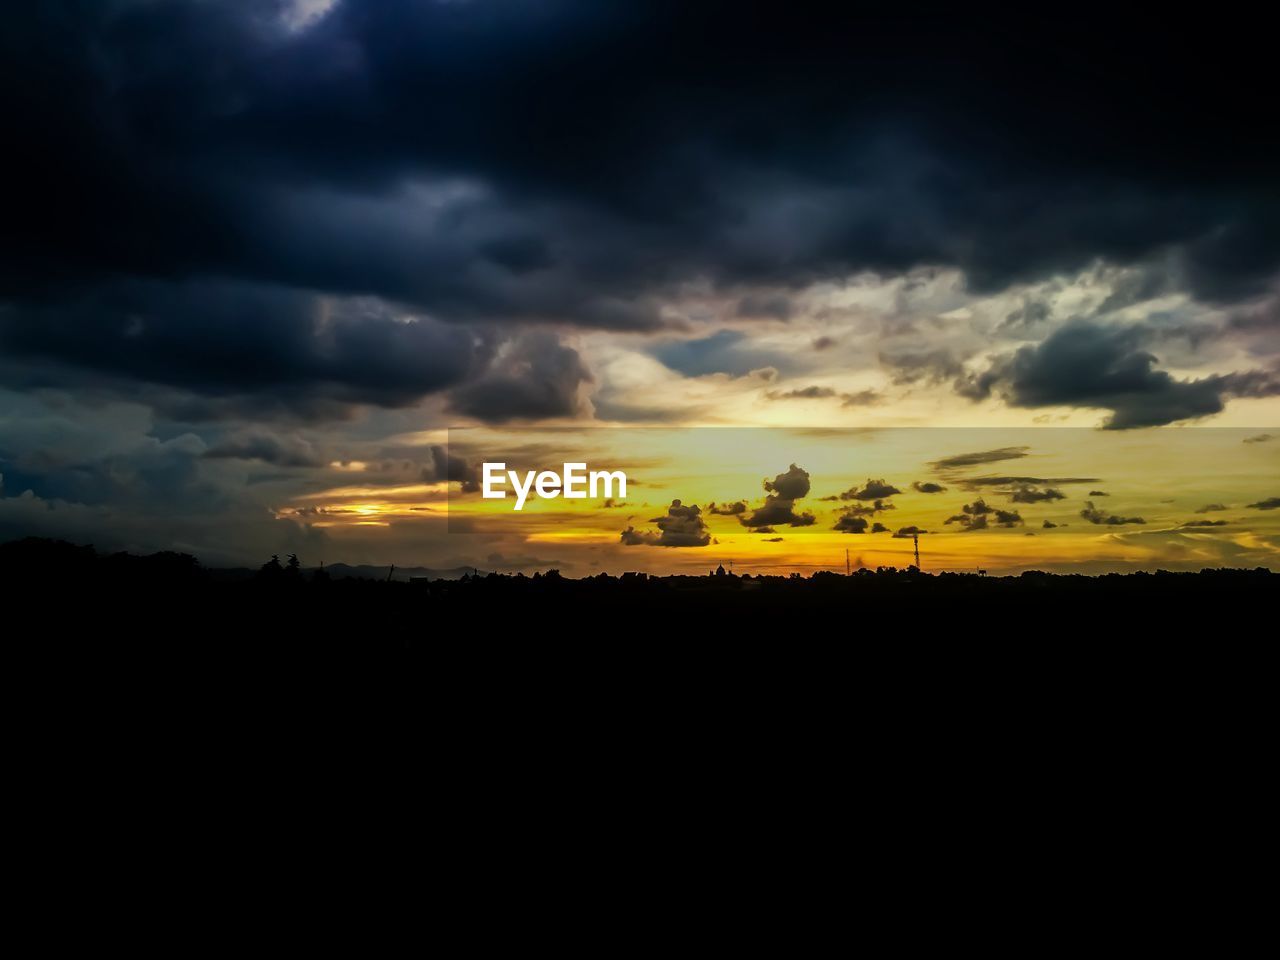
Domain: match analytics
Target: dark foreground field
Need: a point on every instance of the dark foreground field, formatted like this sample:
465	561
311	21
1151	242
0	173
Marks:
992	700
170	598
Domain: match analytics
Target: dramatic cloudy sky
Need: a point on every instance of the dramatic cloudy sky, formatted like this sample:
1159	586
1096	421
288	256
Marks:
252	252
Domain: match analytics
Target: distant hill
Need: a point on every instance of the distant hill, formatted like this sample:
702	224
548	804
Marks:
364	571
348	571
34	556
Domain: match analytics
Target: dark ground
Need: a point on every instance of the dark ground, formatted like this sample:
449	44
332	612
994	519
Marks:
170	599
1031	721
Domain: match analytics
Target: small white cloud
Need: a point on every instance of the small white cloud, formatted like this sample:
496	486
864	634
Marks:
300	14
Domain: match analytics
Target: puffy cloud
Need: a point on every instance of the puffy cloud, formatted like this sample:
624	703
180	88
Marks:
1029	494
779	507
979	516
683	526
927	486
850	524
791	485
871	490
1094	515
775	512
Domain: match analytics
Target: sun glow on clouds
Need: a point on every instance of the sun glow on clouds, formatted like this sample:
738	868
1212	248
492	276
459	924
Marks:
366	505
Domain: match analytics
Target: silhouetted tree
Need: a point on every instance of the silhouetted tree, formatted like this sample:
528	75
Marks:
271	571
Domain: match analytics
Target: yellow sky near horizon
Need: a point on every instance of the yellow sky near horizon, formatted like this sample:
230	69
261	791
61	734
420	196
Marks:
1032	475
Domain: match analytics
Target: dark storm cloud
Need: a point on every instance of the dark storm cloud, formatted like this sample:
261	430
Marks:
1049	525
150	477
536	377
262	445
1084	364
927	486
1094	515
727	509
1098	493
683	526
906	533
1205	523
232	339
574	162
1026	319
878	527
1271	503
774	306
456	469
